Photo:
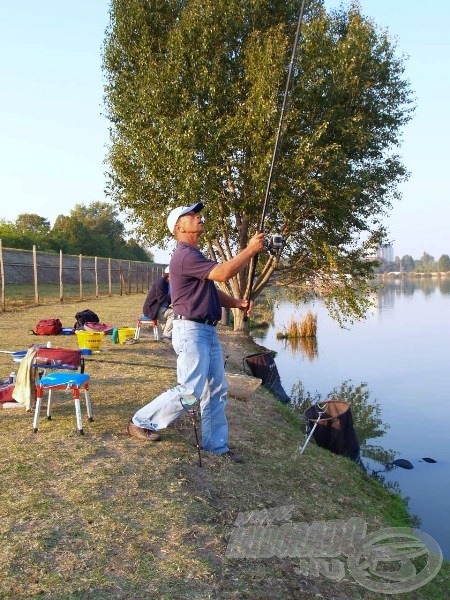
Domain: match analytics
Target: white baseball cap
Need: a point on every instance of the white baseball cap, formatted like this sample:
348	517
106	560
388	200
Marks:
178	212
166	270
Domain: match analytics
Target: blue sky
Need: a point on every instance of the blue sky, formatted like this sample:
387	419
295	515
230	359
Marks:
53	134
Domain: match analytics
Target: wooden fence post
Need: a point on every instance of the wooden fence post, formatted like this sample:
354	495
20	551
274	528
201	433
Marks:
2	275
96	276
61	285
35	271
80	273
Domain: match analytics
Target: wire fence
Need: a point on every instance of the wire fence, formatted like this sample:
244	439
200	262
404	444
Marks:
30	278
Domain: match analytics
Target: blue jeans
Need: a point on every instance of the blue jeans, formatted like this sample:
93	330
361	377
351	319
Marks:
201	376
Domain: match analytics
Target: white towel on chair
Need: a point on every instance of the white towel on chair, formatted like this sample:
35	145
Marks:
24	389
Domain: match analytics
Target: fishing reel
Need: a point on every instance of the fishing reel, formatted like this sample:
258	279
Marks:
274	243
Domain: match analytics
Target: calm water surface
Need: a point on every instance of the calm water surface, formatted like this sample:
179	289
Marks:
401	351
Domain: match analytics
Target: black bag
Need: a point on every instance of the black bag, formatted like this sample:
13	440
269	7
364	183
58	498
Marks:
85	316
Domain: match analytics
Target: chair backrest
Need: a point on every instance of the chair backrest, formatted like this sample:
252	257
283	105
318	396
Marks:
59	358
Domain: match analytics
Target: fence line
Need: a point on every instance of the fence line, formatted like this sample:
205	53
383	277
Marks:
29	278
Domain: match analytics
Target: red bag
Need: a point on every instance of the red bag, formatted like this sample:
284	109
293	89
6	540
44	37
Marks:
6	390
48	327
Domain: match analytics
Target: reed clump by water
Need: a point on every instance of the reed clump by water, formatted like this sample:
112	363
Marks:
304	328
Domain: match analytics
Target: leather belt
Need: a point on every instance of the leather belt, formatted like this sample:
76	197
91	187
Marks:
198	320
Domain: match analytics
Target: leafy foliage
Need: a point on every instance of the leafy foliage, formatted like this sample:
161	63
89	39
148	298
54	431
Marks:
30	223
93	230
193	93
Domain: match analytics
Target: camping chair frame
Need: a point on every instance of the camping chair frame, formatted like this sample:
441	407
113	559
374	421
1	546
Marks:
143	320
67	374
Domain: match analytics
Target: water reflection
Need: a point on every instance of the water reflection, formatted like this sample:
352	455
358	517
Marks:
401	351
308	346
444	285
404	286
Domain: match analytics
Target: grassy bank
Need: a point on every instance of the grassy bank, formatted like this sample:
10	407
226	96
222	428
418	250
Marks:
106	516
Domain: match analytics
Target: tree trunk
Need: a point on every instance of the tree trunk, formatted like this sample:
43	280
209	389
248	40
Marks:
239	323
225	320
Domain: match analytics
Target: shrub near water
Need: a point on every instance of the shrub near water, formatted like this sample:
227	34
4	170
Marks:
305	328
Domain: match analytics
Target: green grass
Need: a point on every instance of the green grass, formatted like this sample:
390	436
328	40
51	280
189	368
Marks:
106	516
19	296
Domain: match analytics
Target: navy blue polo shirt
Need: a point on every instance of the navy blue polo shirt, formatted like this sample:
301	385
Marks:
193	295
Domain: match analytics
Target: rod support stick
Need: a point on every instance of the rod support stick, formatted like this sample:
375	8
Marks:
311	433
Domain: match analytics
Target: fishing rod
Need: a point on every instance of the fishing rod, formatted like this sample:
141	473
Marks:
277	241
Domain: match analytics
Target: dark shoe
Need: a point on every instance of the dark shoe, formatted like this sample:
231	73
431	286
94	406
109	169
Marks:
230	455
150	435
166	340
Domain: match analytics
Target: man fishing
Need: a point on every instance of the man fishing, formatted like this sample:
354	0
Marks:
197	304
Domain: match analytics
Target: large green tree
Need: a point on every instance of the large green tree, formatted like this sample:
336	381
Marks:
193	93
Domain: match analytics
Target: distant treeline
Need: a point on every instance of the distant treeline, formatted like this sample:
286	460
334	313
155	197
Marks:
93	230
407	264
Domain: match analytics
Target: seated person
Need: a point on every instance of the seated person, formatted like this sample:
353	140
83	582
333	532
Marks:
157	305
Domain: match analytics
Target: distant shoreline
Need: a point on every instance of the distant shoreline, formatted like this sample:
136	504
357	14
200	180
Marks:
413	275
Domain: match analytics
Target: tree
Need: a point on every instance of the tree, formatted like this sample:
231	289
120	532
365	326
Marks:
31	223
407	263
102	220
32	230
74	237
133	251
193	93
95	230
426	263
444	263
11	238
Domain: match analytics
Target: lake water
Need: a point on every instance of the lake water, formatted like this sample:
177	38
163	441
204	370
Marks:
401	351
